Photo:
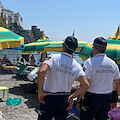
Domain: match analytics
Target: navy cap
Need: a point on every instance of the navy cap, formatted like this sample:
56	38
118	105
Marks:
100	43
71	43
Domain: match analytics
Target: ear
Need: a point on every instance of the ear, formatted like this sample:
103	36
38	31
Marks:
63	47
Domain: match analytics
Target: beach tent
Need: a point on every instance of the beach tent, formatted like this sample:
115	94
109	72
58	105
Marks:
9	39
112	51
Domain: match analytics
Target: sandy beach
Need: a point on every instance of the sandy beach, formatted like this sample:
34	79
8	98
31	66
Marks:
19	88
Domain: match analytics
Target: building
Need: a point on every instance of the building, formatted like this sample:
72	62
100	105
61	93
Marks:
10	16
14	23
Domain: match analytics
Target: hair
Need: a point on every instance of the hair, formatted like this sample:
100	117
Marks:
100	50
67	50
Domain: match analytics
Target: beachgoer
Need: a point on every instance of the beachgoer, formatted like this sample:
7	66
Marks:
17	57
102	73
22	60
54	92
43	57
32	60
5	58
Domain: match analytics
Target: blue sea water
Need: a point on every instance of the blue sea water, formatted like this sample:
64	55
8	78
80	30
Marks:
12	53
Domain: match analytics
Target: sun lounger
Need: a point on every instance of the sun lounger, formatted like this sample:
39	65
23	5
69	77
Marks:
21	71
8	68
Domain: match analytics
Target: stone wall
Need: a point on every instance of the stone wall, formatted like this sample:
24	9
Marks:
29	35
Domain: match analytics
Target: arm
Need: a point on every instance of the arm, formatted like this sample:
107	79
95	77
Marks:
84	84
116	89
40	82
78	101
117	86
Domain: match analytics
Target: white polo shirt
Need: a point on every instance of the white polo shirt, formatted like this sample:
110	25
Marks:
64	70
101	71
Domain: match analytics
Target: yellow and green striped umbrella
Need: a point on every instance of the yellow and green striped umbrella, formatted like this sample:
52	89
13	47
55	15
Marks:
9	39
44	45
57	46
36	46
112	51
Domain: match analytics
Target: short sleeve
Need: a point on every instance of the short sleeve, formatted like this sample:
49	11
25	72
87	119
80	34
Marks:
117	74
80	72
49	61
88	70
85	63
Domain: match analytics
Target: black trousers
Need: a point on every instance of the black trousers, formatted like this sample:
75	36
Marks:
55	106
96	106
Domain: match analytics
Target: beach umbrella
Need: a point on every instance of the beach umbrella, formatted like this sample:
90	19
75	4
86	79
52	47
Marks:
116	36
112	50
9	39
36	46
57	46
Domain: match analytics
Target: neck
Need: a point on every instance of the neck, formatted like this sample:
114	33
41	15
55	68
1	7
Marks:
97	52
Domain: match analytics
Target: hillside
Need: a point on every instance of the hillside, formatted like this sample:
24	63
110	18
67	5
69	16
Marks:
2	22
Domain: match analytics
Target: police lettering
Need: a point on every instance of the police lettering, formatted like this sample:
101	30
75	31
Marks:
66	67
105	66
105	71
64	71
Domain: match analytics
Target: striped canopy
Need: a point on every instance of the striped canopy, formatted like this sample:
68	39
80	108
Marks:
36	46
9	39
57	46
112	51
44	45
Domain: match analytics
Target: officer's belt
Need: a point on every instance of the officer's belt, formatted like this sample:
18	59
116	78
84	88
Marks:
89	93
61	93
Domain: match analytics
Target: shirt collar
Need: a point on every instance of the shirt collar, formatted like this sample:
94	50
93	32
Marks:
67	54
100	54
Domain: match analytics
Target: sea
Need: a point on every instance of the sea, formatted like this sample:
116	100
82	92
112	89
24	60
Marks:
12	53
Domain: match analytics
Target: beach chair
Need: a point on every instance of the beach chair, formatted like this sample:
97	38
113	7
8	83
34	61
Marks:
4	89
74	112
6	68
21	71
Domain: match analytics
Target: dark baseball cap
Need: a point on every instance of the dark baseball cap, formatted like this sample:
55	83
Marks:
71	43
100	43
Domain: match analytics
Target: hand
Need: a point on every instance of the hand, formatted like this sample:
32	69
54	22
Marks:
42	95
78	106
113	105
70	99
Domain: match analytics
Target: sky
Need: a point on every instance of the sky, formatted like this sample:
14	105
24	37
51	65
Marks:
58	18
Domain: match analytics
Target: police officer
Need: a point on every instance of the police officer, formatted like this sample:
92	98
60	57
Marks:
54	92
102	73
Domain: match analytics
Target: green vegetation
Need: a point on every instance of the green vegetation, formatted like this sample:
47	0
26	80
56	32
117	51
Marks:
2	22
